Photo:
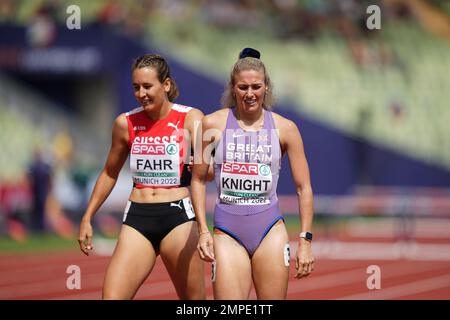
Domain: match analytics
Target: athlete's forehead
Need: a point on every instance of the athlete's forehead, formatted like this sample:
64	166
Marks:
146	74
249	77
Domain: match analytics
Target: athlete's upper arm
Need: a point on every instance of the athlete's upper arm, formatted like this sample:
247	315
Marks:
192	123
292	143
213	126
193	120
207	138
119	150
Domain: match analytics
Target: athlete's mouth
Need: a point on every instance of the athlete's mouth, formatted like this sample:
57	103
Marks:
146	102
250	102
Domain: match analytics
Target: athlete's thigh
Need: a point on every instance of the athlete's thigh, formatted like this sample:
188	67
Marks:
179	253
132	261
270	265
233	275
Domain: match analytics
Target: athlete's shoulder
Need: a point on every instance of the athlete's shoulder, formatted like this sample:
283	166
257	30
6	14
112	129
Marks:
120	129
282	122
216	118
191	113
194	115
121	121
134	111
181	108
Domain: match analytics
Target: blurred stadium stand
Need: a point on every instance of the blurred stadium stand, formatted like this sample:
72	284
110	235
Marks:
372	106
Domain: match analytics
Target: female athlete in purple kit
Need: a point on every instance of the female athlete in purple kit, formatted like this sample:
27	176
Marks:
250	239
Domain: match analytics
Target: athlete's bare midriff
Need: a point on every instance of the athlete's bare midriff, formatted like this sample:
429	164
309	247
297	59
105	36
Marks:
157	195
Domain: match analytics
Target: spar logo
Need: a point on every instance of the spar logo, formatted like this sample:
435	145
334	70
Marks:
172	149
264	170
240	168
148	149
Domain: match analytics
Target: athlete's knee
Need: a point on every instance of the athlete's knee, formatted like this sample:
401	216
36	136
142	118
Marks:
108	294
193	291
196	294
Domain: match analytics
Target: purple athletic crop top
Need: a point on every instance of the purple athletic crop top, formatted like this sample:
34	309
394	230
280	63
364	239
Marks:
246	168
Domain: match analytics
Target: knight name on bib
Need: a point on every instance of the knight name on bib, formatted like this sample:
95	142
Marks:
245	183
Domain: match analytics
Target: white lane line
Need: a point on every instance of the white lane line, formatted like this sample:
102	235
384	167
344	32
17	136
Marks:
96	295
44	287
380	251
419	228
146	291
355	275
421	286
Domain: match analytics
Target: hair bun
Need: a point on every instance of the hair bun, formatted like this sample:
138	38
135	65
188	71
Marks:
249	52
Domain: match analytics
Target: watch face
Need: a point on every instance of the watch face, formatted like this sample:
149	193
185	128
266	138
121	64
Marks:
307	235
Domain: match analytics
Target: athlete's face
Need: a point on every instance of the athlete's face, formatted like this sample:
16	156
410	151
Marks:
148	91
249	90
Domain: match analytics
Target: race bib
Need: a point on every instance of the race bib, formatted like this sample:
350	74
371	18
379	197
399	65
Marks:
155	164
245	183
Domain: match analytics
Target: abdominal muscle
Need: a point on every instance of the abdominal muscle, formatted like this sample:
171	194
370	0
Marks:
157	195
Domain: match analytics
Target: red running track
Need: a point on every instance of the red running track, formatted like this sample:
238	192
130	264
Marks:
43	276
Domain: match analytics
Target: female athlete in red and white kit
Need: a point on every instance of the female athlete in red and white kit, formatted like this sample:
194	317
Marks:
158	218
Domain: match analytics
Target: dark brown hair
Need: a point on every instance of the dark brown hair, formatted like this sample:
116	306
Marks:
162	69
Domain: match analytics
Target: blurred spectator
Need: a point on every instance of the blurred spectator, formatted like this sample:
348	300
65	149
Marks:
62	147
46	213
112	14
362	157
40	178
135	21
8	10
41	30
15	199
397	110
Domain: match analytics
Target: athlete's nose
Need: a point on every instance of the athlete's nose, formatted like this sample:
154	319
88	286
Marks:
142	93
249	93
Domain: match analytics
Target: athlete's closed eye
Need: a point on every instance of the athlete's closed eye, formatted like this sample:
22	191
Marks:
254	87
146	86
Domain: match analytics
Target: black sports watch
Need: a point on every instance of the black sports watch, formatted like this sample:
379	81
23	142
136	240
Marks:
306	235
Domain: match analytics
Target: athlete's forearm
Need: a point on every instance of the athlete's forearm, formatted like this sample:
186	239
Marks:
198	190
306	206
102	189
210	175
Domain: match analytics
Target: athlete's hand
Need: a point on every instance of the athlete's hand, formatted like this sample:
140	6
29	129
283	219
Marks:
190	164
85	237
304	261
205	247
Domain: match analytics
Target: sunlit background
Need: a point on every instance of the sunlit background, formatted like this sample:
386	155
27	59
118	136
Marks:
372	106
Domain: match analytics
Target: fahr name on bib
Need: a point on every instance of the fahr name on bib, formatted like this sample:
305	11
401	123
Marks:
155	161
